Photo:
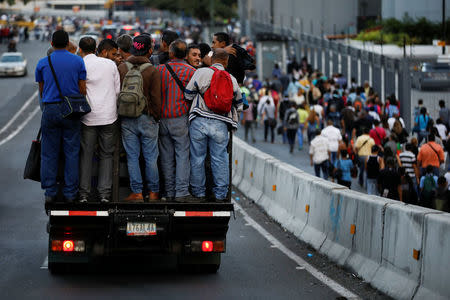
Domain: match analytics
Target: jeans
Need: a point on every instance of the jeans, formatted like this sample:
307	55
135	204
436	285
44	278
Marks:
249	127
362	160
421	135
213	134
291	133
266	131
324	166
333	157
300	136
423	171
137	133
57	131
106	136
174	155
371	186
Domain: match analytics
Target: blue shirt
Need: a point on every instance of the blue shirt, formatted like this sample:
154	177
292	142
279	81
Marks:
69	69
345	165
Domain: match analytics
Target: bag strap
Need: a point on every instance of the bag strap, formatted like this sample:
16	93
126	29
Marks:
365	142
439	159
38	137
54	76
174	76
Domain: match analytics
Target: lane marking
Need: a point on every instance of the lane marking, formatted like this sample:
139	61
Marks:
44	265
297	259
22	109
19	129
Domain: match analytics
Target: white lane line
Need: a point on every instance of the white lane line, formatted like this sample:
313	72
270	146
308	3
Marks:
298	260
25	105
44	265
18	129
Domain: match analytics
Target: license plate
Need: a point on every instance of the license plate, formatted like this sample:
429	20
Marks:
141	229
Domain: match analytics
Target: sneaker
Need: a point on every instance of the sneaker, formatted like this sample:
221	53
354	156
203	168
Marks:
104	200
153	197
135	197
83	199
184	199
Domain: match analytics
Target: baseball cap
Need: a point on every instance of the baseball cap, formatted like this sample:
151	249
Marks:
141	45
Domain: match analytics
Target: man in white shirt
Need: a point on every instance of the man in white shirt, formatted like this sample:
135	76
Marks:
319	154
333	136
103	86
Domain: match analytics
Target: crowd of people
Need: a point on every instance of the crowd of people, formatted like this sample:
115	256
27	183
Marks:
177	105
352	133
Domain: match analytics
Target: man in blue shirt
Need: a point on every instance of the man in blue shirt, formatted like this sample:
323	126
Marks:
56	130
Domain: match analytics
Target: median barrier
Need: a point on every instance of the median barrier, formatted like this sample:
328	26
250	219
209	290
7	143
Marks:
400	265
237	161
435	258
400	249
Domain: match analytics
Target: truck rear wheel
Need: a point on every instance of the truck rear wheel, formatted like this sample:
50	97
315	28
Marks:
57	268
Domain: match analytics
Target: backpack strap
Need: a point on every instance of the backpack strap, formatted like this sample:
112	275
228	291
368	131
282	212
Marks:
175	77
144	66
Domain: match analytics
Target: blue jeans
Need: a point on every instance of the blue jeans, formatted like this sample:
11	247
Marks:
333	157
174	157
137	133
57	131
300	136
362	161
213	134
324	166
372	186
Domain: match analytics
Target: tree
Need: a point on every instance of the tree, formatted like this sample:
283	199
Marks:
196	8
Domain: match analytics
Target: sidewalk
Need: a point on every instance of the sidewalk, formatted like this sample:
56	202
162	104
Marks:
298	159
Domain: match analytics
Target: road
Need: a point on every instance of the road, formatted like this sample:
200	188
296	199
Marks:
262	260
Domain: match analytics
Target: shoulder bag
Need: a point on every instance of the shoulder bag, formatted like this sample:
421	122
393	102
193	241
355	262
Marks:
33	165
75	106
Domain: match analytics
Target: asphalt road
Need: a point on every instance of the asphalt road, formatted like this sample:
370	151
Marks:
255	266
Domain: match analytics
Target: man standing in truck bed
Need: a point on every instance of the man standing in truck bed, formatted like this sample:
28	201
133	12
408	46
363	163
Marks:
141	130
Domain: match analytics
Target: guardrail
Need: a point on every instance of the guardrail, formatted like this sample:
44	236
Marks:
400	249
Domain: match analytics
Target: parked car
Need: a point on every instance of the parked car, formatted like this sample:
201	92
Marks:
13	64
433	76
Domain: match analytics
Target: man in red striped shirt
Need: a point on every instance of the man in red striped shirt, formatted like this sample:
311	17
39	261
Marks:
174	128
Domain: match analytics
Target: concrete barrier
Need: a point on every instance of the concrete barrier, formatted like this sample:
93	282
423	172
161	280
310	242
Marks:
435	258
400	249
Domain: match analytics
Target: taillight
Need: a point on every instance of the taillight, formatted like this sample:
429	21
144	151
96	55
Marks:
109	37
207	246
68	246
219	246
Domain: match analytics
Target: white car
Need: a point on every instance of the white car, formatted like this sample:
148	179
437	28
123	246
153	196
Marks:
13	64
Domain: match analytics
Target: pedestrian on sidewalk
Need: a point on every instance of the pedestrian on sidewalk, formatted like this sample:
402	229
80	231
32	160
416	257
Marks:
303	123
343	168
421	122
363	148
430	154
389	183
333	135
428	187
268	118
319	154
313	123
291	124
373	164
249	121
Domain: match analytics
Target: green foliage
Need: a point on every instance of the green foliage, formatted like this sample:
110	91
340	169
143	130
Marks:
197	8
419	31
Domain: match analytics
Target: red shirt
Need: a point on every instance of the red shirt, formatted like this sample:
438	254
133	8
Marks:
378	134
173	104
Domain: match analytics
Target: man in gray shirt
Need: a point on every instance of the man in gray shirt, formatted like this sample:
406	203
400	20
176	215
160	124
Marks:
268	117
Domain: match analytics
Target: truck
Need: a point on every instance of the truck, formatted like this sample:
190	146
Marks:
85	234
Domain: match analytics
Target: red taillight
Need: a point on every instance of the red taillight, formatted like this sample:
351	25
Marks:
56	245
68	246
207	246
109	37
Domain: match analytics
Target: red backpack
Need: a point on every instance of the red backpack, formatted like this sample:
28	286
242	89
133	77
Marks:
219	96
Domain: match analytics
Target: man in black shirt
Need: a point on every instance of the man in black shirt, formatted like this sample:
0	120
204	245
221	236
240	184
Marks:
162	56
389	182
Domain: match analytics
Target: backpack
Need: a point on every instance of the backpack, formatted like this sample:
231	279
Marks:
293	118
131	101
429	189
219	96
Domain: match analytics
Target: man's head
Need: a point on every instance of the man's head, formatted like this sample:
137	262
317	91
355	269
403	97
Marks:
108	49
87	46
193	55
60	39
71	47
431	138
441	103
167	38
142	46
329	122
390	162
220	56
429	169
408	147
220	40
204	49
420	102
124	42
366	130
178	49
375	149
